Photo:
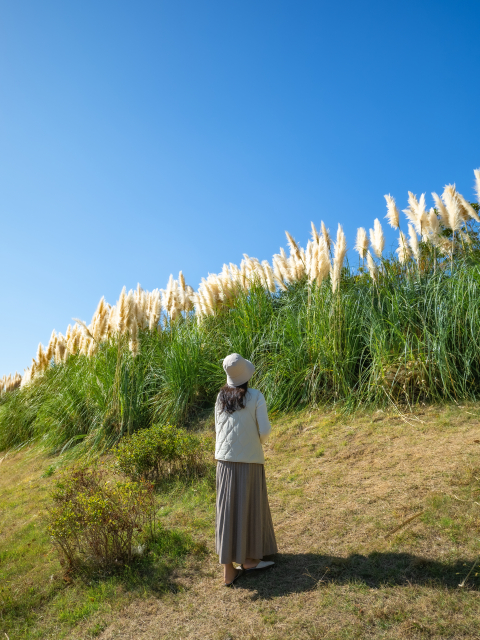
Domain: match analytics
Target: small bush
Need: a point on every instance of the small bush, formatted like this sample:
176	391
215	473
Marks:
161	452
97	521
49	471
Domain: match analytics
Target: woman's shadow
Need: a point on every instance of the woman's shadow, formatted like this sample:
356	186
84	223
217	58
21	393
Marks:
294	573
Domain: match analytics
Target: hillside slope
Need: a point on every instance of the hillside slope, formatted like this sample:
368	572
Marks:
339	487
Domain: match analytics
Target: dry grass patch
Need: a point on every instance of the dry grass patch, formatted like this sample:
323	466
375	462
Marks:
342	571
339	573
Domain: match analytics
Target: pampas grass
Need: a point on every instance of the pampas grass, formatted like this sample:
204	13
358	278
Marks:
318	330
138	310
326	235
393	215
377	239
403	250
339	253
413	242
442	212
361	243
454	212
372	267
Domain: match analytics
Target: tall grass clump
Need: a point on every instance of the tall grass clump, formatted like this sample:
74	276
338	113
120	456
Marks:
320	328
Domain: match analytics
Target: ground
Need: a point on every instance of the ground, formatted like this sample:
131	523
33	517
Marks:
377	517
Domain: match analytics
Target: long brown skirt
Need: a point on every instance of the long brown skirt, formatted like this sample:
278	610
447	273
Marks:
243	523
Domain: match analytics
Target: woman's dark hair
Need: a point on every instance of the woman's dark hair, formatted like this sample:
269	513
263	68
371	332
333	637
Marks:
232	398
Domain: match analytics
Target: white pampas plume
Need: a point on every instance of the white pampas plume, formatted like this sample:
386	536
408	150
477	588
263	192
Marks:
168	296
468	208
411	211
413	242
200	307
243	276
131	309
60	349
122	312
293	267
183	296
403	250
416	213
41	358
315	236
452	206
142	305
442	212
133	344
181	280
52	343
433	223
297	259
393	215
280	269
269	277
294	250
72	343
476	173
112	321
10	383
92	348
309	256
227	284
340	249
156	309
100	307
319	266
361	244
372	267
323	261
86	330
100	320
102	327
422	217
83	346
27	376
258	271
189	292
326	235
207	298
250	269
377	239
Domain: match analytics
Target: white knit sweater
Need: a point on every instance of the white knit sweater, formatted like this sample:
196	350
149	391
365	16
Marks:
240	435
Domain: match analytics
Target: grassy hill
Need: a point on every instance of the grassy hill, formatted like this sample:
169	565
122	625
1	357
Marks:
340	488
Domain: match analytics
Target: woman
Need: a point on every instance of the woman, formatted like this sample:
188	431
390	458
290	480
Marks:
244	529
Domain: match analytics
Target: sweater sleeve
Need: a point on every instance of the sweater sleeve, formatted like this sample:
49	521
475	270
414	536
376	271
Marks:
263	423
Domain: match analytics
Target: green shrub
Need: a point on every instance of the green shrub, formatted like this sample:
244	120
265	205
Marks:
100	522
161	452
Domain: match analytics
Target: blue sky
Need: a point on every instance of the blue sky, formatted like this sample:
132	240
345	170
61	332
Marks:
141	138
